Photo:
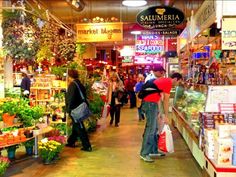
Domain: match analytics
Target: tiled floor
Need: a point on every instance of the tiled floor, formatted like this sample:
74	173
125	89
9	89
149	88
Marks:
115	154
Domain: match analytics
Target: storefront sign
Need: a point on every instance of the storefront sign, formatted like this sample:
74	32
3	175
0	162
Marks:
127	60
228	34
167	32
147	59
205	16
99	32
159	17
149	44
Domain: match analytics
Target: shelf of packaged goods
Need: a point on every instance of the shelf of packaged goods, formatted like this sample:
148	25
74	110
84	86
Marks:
213	169
58	88
40	88
193	134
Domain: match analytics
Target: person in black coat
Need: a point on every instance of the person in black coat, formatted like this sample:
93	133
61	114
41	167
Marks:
25	85
73	99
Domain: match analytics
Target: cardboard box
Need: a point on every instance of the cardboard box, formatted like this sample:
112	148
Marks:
223	130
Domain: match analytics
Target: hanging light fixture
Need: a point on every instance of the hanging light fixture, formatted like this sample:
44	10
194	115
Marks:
137	3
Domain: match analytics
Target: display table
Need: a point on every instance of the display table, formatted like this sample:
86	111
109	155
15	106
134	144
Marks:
189	135
213	170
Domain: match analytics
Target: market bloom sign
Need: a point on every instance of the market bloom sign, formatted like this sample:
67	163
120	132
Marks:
159	17
99	32
228	34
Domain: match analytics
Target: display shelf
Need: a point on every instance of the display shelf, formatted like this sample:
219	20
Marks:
40	88
193	134
214	170
17	143
14	125
190	136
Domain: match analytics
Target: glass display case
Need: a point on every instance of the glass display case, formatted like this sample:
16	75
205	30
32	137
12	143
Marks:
188	103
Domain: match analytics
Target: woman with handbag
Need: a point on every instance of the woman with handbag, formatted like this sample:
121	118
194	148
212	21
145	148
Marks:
75	96
114	97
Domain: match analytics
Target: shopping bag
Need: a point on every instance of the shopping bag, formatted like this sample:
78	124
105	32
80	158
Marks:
165	142
105	110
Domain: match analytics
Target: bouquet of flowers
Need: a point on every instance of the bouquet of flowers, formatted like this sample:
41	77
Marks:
49	149
4	163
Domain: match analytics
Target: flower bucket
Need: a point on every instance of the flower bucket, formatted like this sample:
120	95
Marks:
11	153
8	119
29	150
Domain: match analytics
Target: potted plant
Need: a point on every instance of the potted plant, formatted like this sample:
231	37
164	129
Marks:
29	146
9	110
11	151
4	163
48	150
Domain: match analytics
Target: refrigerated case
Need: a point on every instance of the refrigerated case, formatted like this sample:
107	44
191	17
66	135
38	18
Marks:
189	101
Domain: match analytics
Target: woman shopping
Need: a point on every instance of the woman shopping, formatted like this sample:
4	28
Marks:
114	97
74	99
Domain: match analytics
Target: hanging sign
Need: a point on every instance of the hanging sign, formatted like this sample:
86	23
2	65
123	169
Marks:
228	34
149	44
99	32
159	17
164	32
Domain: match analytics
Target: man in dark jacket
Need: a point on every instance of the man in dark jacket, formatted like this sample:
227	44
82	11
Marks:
74	99
25	85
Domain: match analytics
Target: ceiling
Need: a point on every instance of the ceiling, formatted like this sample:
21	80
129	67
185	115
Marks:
107	9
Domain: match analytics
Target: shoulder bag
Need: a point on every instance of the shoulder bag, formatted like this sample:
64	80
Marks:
82	111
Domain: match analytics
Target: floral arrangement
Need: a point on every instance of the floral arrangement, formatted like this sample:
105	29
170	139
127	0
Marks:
59	139
49	149
4	163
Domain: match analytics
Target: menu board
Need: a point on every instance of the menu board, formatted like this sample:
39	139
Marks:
219	94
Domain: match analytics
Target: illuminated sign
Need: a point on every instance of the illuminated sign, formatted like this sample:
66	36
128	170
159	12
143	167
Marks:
149	44
99	32
159	17
228	34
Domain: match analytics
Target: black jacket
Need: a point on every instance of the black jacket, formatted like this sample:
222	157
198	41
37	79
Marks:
25	84
73	98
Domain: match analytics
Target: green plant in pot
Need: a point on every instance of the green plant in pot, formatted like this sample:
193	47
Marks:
9	109
29	146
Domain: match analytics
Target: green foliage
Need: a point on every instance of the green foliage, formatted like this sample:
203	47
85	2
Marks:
44	53
91	123
29	143
61	127
58	70
96	104
29	116
66	49
73	65
10	107
20	35
80	49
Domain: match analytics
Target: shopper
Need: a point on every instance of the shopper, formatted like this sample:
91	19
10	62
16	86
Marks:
114	95
150	108
73	99
137	88
25	84
129	87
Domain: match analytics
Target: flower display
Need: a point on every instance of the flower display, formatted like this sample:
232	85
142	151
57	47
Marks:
59	139
4	163
49	149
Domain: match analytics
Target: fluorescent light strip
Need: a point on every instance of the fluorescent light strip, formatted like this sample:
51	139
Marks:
131	3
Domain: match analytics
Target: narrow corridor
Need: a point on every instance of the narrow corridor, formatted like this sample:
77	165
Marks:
115	154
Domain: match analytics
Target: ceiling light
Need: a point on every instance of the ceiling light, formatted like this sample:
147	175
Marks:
131	3
135	32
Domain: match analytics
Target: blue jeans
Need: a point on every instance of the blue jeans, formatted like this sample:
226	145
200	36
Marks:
149	145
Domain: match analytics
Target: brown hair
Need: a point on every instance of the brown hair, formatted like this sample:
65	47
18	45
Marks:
73	73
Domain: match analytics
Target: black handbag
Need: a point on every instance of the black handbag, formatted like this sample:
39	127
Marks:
82	111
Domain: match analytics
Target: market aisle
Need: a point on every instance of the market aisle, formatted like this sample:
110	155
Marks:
115	154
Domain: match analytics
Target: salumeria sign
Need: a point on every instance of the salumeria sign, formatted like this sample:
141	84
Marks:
99	32
159	17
